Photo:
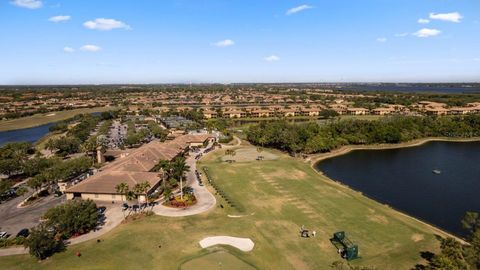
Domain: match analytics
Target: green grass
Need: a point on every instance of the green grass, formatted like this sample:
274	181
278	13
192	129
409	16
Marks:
216	260
277	196
45	118
40	144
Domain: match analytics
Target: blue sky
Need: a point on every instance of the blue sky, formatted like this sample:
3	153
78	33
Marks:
165	41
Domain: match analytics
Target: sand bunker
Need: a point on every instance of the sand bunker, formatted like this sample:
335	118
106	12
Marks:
240	216
244	244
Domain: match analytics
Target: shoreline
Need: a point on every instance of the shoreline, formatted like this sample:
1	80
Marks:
314	159
37	120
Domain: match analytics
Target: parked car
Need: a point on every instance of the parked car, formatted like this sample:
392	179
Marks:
3	234
23	232
125	206
101	210
152	203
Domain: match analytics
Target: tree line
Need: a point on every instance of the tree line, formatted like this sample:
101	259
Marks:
453	254
311	137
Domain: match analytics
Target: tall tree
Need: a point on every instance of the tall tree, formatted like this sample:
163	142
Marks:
123	189
142	189
179	167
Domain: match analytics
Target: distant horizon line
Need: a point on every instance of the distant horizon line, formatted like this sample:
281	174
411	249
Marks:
235	83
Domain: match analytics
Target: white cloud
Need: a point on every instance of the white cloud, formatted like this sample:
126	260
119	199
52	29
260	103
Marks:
449	17
476	59
423	21
298	9
272	58
381	39
427	32
90	48
68	49
224	43
59	18
103	24
31	4
401	34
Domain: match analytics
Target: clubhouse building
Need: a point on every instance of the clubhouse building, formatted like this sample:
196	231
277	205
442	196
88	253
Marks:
134	168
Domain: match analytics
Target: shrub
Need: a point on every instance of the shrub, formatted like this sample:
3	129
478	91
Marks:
73	217
42	243
43	193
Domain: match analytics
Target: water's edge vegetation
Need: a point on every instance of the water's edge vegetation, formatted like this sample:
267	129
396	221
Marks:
311	138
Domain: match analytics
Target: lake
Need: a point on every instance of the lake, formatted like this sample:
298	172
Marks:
32	134
404	179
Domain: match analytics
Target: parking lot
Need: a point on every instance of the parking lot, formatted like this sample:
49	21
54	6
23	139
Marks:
13	219
117	134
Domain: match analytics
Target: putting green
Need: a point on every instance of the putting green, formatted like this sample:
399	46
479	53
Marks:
217	260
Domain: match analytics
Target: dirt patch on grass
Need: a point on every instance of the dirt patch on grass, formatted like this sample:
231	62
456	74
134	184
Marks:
292	174
417	237
249	154
217	260
297	174
297	262
325	245
378	219
275	204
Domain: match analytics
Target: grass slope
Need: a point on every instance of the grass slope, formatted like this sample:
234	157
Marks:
45	118
276	197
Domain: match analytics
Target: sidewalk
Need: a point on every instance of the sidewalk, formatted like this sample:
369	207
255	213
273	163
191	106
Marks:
113	216
205	200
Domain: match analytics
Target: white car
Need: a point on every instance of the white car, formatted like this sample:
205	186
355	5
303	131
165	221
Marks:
3	234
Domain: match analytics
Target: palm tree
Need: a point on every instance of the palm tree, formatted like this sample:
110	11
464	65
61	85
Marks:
179	167
123	189
137	189
142	188
166	168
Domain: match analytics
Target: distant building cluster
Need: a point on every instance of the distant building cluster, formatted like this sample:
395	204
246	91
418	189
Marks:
435	108
223	102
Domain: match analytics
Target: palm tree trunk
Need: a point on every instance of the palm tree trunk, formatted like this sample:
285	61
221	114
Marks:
181	188
123	212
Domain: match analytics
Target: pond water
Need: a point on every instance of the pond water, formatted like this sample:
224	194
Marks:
405	179
32	134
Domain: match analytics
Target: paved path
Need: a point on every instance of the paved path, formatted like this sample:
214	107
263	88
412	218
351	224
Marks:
13	218
13	251
113	216
205	200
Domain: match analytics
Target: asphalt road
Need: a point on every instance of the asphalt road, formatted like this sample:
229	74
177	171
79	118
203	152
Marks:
13	219
205	200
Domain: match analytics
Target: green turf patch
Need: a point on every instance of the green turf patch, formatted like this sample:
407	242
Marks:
278	197
217	260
